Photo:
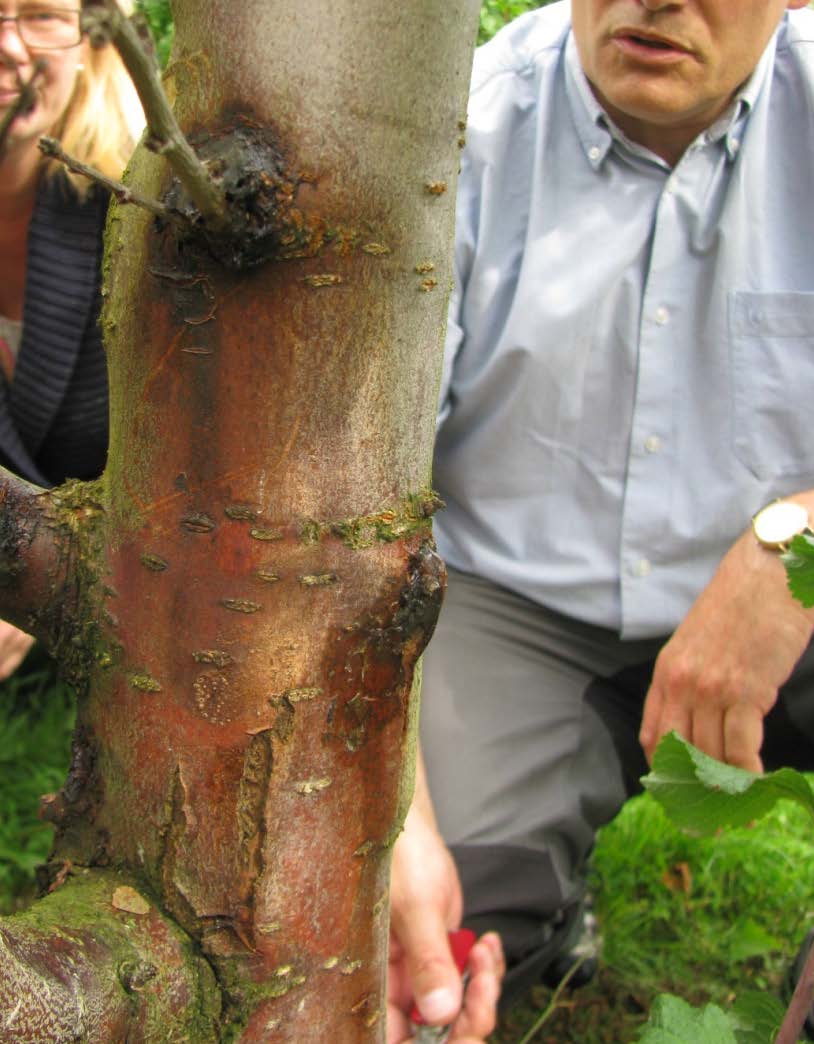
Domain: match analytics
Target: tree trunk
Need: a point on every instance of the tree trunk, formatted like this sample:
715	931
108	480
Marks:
243	596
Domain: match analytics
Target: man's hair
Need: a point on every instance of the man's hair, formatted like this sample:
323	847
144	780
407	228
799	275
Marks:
104	117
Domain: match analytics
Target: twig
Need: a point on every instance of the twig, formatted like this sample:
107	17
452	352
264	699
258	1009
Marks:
555	999
24	103
105	21
800	1004
123	193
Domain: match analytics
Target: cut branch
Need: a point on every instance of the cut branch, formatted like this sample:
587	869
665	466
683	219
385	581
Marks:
51	147
28	548
107	22
48	568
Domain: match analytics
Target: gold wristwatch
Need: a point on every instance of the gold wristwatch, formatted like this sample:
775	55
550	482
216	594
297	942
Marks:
775	525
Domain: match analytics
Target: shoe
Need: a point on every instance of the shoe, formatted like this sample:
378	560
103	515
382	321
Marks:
570	940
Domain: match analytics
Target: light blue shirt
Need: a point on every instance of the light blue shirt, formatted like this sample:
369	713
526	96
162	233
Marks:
629	369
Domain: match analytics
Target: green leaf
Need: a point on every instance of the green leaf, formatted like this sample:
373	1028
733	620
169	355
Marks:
799	563
757	1017
674	1021
703	795
749	939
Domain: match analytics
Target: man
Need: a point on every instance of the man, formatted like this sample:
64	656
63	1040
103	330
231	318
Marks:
629	378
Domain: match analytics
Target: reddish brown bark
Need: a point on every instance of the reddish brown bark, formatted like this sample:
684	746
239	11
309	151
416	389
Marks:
255	575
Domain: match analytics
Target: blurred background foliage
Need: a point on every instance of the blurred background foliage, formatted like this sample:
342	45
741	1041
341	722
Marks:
494	14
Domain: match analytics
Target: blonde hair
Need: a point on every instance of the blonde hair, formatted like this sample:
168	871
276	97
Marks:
104	118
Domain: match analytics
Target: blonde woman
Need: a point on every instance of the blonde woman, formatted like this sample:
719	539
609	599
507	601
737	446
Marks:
53	382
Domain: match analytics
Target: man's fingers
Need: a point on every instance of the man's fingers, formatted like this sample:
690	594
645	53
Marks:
650	720
431	969
743	737
708	732
398	1028
660	717
486	967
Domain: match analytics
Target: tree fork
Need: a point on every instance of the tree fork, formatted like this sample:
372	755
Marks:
259	577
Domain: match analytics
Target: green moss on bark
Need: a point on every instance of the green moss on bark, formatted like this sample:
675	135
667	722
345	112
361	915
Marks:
122	966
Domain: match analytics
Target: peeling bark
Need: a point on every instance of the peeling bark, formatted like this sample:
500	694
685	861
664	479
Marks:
253	579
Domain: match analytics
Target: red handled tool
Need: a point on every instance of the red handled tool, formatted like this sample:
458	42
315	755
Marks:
460	942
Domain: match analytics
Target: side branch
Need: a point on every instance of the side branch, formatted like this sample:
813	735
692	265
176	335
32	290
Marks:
43	548
123	193
28	548
105	22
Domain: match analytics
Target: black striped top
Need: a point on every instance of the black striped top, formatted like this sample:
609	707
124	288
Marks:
54	417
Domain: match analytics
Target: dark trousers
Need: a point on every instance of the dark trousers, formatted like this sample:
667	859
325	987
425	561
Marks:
529	728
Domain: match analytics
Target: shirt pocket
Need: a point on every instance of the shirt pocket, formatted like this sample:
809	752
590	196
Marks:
771	338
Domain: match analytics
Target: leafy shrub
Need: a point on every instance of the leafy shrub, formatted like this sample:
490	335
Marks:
494	14
159	16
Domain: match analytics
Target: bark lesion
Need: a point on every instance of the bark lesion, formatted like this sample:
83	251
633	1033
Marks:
255	786
173	832
413	516
73	811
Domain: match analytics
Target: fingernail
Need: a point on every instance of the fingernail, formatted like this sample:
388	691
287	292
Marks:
437	1005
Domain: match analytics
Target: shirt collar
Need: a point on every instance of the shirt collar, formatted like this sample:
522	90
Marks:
597	132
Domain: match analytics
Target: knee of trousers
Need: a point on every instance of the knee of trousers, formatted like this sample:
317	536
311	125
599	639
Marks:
522	893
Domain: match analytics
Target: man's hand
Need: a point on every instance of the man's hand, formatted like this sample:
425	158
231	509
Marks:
477	1017
14	644
425	903
718	676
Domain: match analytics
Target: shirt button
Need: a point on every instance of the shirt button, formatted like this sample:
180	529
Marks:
669	187
652	444
662	316
593	152
641	567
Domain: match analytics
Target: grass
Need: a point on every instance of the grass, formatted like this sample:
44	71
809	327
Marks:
36	719
702	918
699	917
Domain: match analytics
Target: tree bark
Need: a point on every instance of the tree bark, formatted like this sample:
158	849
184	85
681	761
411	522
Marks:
245	593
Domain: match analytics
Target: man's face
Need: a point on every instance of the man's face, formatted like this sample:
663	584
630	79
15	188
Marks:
668	68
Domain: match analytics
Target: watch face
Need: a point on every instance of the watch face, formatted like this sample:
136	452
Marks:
776	524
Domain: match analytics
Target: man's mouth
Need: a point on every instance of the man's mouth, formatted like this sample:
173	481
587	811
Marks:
646	41
645	44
